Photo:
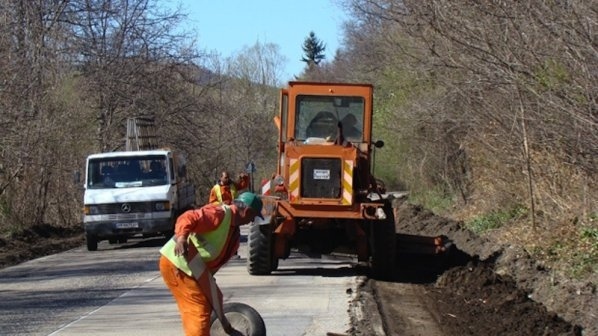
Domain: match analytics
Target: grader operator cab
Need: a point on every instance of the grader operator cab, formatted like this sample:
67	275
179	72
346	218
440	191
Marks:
323	197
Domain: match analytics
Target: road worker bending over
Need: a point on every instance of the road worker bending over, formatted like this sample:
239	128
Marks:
225	191
204	239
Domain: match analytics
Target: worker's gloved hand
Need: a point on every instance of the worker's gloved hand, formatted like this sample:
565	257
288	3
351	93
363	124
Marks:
234	332
181	246
229	330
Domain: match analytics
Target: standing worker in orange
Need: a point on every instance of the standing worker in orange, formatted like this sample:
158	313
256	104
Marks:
207	237
226	190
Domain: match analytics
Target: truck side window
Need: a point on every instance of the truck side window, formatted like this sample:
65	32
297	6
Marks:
172	172
157	171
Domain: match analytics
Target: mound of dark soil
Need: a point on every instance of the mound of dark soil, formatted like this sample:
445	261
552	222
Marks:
510	292
474	300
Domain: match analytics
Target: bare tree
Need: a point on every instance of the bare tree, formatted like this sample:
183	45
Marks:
72	67
30	71
447	73
252	98
127	52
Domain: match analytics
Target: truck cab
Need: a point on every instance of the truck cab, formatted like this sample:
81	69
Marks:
134	193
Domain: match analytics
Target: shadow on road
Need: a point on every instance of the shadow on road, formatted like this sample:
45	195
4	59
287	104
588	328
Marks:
345	271
141	242
415	268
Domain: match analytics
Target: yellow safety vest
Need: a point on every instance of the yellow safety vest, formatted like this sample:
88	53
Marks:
209	246
233	192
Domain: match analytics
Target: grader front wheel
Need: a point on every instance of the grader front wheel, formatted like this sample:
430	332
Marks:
260	258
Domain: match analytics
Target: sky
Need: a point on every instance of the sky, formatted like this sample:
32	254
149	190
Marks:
227	26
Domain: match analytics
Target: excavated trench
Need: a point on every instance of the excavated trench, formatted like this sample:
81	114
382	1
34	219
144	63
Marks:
478	288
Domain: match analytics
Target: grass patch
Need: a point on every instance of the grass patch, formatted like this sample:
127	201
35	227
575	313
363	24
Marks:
576	253
584	258
435	200
496	219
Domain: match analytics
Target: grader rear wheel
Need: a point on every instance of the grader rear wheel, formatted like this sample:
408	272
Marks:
383	246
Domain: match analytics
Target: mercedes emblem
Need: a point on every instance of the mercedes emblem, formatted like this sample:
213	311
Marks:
126	207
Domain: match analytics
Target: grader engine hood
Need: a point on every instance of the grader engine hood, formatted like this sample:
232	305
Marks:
322	174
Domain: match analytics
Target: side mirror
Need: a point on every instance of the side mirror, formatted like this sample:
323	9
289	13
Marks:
379	144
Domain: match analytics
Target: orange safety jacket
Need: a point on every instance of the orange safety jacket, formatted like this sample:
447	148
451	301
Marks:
211	245
205	254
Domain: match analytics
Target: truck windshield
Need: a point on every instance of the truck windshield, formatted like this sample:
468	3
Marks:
127	172
318	117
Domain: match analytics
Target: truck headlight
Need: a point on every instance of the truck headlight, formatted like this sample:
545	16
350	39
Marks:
162	206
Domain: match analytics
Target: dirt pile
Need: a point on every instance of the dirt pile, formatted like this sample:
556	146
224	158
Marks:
38	241
474	300
502	284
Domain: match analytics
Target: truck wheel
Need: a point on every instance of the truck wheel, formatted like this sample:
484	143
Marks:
383	247
259	261
92	242
274	264
242	317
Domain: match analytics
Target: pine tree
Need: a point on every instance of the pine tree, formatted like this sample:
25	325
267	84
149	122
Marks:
313	49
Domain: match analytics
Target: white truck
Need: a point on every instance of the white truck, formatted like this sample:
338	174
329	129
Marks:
134	193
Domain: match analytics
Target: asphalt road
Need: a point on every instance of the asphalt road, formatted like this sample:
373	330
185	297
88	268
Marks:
118	290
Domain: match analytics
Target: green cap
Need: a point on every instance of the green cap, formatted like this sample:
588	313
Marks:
253	201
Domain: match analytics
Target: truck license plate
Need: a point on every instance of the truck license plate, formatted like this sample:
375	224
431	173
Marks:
321	174
127	225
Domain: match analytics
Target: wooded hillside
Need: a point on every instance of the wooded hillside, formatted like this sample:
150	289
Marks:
492	112
488	109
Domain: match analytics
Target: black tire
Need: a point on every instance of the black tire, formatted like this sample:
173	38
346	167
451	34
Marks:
242	317
383	246
92	242
260	260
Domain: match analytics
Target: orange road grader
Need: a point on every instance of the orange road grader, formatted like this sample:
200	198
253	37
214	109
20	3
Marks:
323	198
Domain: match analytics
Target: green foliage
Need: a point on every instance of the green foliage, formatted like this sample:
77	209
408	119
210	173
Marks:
314	50
391	123
435	199
590	234
496	219
552	74
580	253
585	259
